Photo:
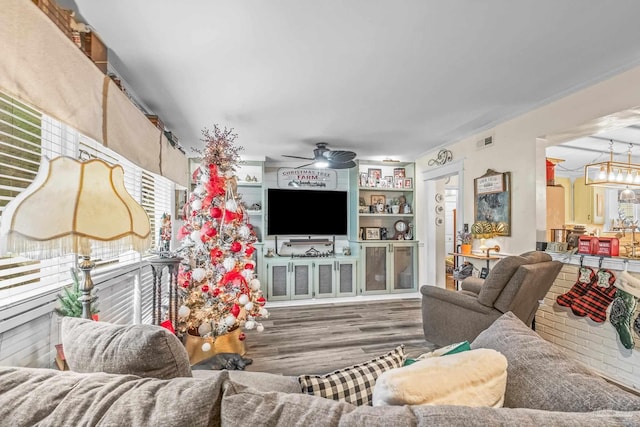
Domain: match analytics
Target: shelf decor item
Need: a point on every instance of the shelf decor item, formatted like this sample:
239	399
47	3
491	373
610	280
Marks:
465	238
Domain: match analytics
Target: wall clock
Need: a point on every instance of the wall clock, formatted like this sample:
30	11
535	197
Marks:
400	228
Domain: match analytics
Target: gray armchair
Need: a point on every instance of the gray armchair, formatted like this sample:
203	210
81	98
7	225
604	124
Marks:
516	283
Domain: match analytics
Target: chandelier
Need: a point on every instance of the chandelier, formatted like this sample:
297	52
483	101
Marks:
613	174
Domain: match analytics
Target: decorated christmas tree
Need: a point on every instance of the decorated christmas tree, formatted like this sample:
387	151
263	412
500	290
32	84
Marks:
218	289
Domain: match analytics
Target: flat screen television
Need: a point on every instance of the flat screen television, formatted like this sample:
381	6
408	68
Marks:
307	212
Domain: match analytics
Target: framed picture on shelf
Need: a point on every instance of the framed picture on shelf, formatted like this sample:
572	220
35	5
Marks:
389	180
398	173
375	173
378	199
372	233
364	179
398	182
408	183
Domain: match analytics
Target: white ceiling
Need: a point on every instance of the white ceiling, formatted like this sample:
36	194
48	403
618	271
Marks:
383	78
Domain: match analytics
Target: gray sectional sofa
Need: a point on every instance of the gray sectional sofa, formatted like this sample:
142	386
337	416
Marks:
155	387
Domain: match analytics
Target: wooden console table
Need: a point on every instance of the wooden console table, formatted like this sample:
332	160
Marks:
456	255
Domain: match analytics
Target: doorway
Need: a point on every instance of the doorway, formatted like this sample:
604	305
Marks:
443	207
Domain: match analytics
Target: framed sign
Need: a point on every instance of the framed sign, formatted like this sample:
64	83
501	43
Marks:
492	201
325	179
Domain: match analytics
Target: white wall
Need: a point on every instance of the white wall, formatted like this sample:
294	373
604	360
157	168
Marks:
519	148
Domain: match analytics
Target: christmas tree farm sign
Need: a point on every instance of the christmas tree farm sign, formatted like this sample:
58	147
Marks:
325	179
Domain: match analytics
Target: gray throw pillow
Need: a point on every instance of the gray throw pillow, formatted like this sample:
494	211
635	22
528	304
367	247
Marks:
142	350
541	376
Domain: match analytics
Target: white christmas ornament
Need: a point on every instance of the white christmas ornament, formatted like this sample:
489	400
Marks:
183	311
198	274
199	190
204	329
247	274
264	312
244	232
249	324
196	205
243	299
231	205
248	306
259	327
206	347
195	235
229	263
254	284
230	320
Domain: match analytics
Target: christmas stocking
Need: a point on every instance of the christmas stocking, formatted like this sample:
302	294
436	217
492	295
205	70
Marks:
586	276
629	285
622	308
598	297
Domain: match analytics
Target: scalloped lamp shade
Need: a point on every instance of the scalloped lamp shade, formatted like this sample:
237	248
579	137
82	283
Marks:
71	204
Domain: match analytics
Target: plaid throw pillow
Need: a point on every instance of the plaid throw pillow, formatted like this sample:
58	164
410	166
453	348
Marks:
353	384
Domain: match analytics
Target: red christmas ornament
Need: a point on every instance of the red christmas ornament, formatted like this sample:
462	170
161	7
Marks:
216	292
249	250
235	310
236	246
229	216
207	231
215	253
216	212
205	288
248	266
261	301
242	336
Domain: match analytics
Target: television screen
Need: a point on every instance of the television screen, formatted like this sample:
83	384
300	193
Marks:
306	212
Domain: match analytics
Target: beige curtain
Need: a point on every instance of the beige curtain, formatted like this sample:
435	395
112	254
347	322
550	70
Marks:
42	67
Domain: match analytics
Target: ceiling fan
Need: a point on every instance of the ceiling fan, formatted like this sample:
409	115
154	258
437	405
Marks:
326	158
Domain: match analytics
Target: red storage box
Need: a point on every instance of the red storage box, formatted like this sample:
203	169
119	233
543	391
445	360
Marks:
608	246
588	245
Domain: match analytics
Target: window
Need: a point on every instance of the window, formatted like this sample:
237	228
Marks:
25	136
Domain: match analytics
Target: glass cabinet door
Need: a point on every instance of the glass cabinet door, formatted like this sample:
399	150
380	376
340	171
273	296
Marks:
375	273
403	267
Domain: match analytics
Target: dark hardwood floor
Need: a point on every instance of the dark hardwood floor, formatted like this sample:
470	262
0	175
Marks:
320	338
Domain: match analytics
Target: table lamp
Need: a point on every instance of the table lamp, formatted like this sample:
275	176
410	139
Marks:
69	206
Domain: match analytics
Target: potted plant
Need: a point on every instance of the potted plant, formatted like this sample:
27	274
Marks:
465	238
395	206
70	305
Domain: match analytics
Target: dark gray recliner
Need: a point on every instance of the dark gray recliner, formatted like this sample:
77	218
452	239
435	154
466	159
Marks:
516	283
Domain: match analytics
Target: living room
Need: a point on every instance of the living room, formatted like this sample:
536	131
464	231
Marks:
30	329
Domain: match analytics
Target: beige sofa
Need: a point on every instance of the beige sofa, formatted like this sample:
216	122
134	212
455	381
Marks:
544	387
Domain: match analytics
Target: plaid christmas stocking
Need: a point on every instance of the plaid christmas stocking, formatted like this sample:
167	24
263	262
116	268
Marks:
622	308
586	276
598	297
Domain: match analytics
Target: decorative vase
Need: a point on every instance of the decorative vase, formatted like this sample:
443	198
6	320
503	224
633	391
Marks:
465	248
228	343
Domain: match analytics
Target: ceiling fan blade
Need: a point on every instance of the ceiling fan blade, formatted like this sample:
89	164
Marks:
342	165
303	166
339	156
297	157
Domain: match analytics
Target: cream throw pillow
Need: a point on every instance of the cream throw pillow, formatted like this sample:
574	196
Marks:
471	378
